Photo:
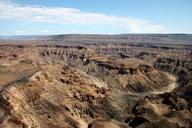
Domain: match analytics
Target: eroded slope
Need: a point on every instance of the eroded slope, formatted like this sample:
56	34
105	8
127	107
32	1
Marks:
73	86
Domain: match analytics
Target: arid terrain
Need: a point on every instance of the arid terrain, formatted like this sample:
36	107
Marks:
96	81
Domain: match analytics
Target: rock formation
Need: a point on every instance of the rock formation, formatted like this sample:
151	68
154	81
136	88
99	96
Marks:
80	86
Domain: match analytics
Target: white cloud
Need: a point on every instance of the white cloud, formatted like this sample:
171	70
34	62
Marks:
13	11
19	31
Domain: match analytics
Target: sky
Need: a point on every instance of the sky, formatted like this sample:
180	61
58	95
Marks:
48	17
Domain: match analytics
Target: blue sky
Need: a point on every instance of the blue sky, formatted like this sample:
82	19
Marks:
45	17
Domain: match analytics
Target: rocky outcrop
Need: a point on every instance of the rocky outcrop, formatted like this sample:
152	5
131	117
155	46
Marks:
129	74
44	101
123	74
181	67
76	87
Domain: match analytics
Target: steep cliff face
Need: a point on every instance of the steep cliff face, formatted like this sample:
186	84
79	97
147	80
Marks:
75	87
46	99
61	96
125	76
182	68
128	74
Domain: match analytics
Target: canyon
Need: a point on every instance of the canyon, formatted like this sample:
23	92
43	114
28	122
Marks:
96	81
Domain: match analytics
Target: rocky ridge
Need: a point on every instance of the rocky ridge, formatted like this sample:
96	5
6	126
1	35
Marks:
73	86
